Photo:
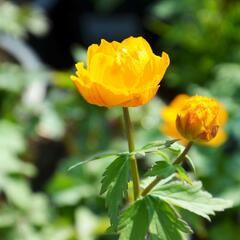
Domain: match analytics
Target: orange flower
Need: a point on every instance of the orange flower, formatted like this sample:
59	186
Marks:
123	73
200	111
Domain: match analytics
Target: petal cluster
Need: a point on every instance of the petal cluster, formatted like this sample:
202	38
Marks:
199	119
123	73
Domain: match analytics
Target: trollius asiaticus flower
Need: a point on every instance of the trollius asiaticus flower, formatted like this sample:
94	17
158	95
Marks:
199	119
169	114
123	73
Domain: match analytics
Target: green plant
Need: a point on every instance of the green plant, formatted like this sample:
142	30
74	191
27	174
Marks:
153	209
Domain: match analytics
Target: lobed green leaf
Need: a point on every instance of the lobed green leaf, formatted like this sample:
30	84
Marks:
166	224
153	147
154	215
115	183
191	198
135	220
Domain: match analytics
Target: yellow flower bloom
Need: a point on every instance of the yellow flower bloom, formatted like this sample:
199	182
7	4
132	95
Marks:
123	73
200	111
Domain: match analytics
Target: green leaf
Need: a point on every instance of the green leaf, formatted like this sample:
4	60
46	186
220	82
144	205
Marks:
111	172
86	221
135	220
101	156
182	175
191	198
14	74
8	216
115	182
161	207
39	209
11	164
16	187
166	224
155	146
12	139
72	195
162	169
50	125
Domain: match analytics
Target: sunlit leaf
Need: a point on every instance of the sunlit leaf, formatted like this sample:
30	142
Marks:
38	210
11	164
182	174
12	139
18	191
51	125
86	222
191	198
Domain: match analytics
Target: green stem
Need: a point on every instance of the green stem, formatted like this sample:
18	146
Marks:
151	185
179	160
131	147
181	157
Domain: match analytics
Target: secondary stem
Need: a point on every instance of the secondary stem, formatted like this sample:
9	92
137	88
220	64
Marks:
179	160
131	147
181	157
151	185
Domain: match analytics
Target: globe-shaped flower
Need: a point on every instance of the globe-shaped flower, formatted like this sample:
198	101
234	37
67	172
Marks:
123	73
198	119
169	115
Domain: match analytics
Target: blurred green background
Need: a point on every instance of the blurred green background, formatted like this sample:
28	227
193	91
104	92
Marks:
46	127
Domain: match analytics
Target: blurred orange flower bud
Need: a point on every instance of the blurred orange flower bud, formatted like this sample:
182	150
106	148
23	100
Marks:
198	119
123	73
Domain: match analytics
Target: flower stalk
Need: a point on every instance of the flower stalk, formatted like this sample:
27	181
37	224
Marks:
181	157
179	160
131	148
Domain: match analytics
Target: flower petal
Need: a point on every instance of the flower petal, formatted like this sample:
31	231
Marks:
157	66
117	75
